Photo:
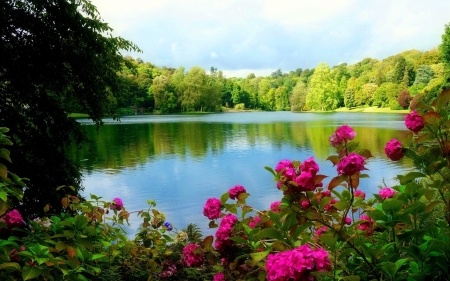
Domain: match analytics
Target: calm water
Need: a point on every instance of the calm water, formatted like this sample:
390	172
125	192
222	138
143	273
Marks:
180	161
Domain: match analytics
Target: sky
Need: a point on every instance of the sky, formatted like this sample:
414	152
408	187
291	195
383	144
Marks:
260	36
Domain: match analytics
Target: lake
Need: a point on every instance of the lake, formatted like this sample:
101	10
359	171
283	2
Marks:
180	161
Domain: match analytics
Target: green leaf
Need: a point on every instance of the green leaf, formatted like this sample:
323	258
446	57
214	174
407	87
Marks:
442	99
224	198
289	221
389	268
378	215
257	257
350	278
270	170
80	221
400	263
410	177
270	233
4	153
392	205
341	205
30	272
10	265
3	196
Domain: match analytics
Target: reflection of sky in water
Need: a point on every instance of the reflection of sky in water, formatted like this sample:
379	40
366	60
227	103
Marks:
181	185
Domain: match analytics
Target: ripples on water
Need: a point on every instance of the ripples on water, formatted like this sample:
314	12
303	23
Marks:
181	160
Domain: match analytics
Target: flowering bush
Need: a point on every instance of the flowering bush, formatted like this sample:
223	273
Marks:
322	228
393	150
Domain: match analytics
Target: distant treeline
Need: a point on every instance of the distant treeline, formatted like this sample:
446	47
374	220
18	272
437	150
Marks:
396	82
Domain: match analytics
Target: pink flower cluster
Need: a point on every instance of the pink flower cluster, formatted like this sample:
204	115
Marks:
351	164
253	223
116	204
359	194
414	122
386	193
211	210
235	191
219	277
224	231
275	206
191	257
169	269
13	219
320	231
366	225
305	180
296	264
342	134
393	150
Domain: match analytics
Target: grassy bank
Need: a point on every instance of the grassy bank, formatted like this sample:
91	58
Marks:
372	109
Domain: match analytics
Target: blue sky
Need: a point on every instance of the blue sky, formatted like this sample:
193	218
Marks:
261	36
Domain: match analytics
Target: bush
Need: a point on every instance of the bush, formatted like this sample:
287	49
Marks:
316	231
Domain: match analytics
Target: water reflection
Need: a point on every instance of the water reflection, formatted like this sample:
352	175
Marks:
179	161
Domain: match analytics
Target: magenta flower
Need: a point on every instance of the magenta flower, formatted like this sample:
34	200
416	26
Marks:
386	193
283	164
235	191
306	181
320	231
310	165
219	277
117	204
190	257
305	204
351	164
359	194
296	264
275	206
348	221
212	208
414	122
254	222
13	219
366	225
393	150
224	231
342	134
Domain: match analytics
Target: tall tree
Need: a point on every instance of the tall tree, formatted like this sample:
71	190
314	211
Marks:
54	54
298	96
322	93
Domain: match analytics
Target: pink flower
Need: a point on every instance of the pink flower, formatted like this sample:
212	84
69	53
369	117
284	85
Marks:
393	150
283	164
254	222
348	221
386	193
117	204
342	134
359	194
191	257
275	206
366	225
13	219
310	165
224	231
212	208
219	277
414	122
329	206
235	191
351	164
305	181
320	231
296	264
326	193
305	204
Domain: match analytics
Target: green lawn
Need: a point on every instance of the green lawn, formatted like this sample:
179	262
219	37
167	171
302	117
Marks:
372	109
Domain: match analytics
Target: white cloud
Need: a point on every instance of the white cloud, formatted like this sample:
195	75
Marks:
269	34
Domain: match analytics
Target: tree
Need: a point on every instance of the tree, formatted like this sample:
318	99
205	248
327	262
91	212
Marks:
165	99
444	48
55	54
298	96
322	93
424	74
365	95
404	98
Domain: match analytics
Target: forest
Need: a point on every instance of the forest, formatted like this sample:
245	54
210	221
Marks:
394	82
